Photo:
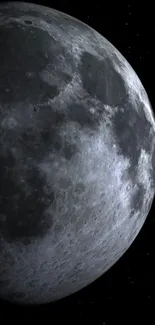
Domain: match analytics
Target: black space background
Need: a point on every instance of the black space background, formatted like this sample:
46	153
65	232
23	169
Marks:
127	290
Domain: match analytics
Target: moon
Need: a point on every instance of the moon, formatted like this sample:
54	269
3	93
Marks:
77	154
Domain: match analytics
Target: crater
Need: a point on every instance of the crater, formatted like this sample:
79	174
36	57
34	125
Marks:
69	150
81	114
132	134
80	188
28	22
137	199
101	80
64	183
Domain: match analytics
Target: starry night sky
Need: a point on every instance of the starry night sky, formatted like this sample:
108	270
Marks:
127	290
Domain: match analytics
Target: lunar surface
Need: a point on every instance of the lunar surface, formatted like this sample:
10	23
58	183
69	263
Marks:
77	154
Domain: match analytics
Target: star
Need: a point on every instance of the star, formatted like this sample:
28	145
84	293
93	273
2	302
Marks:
129	49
